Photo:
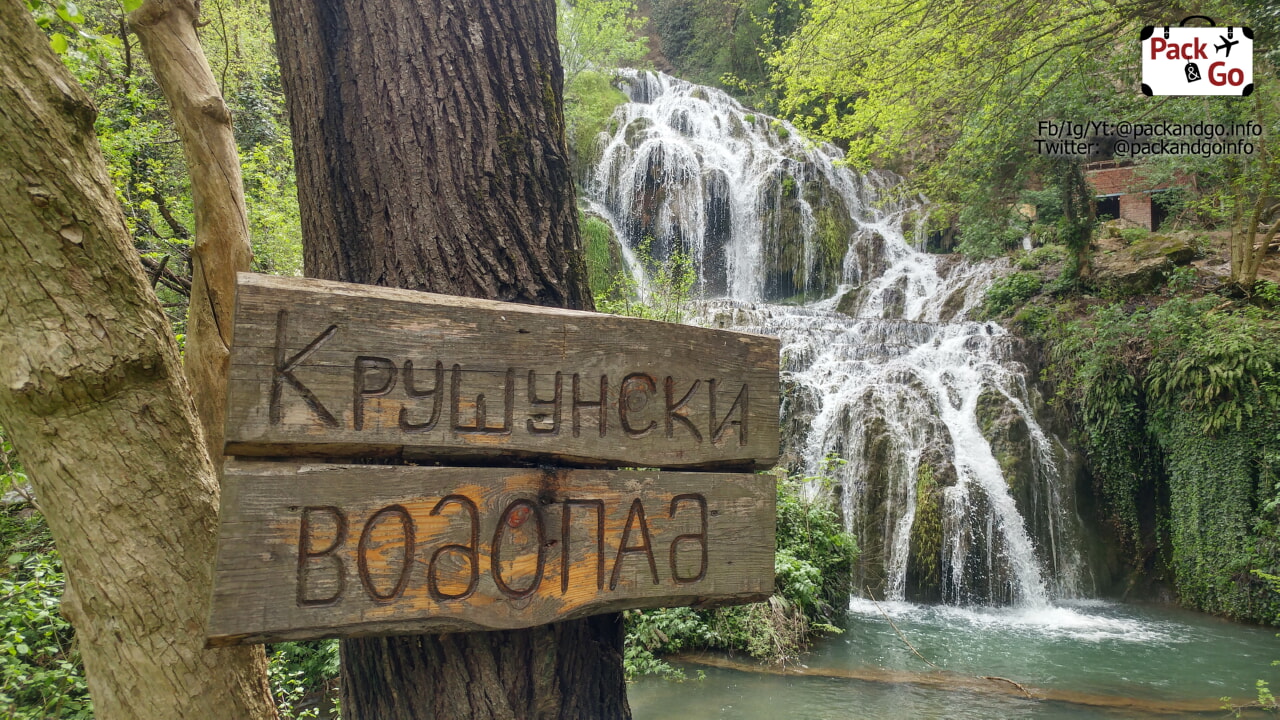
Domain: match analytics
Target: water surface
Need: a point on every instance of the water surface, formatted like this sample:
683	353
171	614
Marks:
1159	661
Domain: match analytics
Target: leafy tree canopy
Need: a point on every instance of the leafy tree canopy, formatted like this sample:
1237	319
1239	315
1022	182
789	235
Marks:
954	90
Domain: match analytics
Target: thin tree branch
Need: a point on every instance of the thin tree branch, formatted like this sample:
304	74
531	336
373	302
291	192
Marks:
174	282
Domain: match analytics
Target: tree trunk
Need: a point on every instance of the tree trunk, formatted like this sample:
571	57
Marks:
429	140
221	248
92	395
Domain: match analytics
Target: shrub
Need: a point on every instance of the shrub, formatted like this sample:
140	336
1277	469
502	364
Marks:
303	673
813	573
1177	409
1041	256
40	672
1134	235
1010	291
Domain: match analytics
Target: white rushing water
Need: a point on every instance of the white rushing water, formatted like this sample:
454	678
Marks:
952	487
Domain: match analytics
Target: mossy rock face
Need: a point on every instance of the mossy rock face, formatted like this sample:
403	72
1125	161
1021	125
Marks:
1011	443
986	578
603	253
800	266
937	456
1010	438
894	298
736	128
589	105
952	306
718	231
800	403
833	230
924	557
850	302
635	129
783	239
1141	267
868	260
872	521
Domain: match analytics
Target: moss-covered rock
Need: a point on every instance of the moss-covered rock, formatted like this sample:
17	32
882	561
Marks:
635	129
894	299
1010	438
981	546
804	261
604	256
924	557
850	302
589	102
873	520
1139	263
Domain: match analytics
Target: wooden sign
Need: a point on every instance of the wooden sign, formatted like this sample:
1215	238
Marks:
332	369
323	550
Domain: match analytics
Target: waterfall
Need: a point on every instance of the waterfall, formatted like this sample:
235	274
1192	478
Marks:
954	490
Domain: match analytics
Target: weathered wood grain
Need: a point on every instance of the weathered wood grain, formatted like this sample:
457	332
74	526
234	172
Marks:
319	550
325	369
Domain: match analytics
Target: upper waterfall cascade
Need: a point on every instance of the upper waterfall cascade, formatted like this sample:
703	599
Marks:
952	487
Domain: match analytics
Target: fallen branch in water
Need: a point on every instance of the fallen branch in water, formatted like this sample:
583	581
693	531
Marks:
996	678
947	681
900	635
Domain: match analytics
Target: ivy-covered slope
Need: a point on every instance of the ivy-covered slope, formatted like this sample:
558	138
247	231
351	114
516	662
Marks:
1174	398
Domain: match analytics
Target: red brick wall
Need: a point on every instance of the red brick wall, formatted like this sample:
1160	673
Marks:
1111	180
1136	208
1135	198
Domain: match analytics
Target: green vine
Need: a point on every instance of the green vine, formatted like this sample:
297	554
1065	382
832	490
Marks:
1178	410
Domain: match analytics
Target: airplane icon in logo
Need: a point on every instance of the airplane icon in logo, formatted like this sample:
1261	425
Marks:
1226	45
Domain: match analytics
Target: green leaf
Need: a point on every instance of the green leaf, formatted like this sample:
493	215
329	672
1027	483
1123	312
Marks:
131	5
15	558
59	43
68	11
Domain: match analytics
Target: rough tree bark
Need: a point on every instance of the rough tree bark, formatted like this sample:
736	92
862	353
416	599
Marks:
92	395
429	139
167	29
430	146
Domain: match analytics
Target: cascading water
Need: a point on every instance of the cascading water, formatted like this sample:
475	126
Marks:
952	488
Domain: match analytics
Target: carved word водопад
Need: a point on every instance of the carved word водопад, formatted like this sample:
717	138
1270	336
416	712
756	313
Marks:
386	549
322	550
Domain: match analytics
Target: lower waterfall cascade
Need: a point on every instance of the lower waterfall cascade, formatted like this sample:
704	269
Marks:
952	487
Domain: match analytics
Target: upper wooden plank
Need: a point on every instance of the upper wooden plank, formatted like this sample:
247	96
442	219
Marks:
322	368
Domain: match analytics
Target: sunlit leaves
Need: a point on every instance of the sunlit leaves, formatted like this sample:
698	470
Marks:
68	11
598	34
40	673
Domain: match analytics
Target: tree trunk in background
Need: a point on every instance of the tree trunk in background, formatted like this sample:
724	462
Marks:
92	395
429	140
221	249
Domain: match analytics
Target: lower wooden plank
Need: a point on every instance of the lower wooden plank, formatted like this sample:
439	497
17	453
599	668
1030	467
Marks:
321	550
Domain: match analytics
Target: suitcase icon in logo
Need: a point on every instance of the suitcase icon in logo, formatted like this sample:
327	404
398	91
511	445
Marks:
1197	60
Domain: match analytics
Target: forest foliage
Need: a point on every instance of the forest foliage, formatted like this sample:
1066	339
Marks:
813	570
1178	408
1177	402
953	94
